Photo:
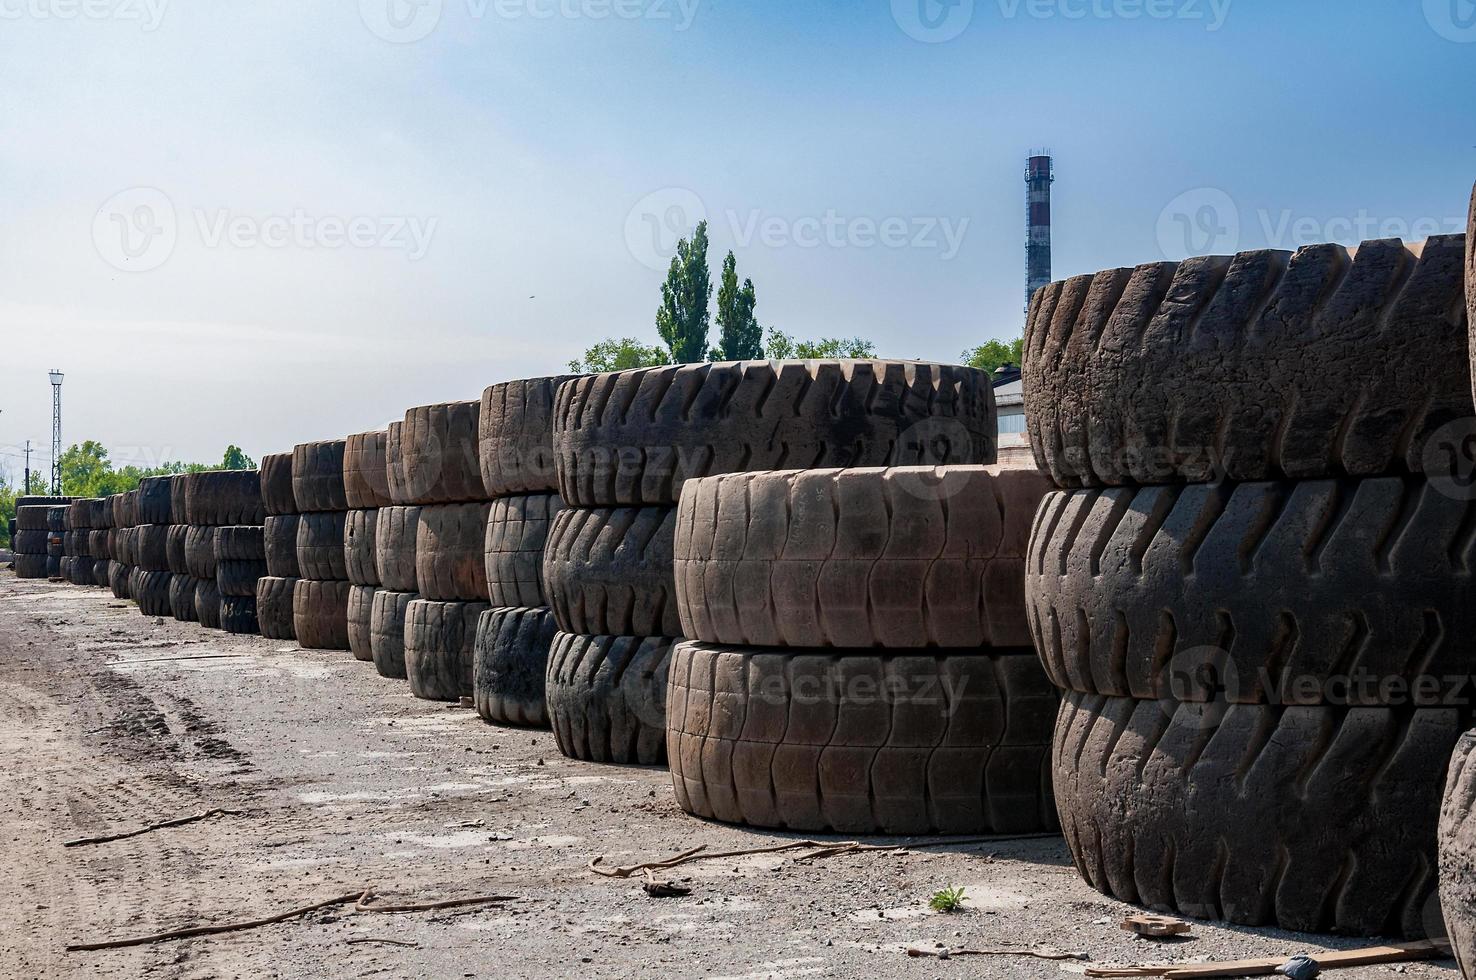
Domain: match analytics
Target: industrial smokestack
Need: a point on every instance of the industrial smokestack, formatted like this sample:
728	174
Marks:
1040	173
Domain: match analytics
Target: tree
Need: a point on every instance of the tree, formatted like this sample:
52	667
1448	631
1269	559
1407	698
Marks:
780	346
683	318
618	355
994	353
235	459
8	496
740	338
85	469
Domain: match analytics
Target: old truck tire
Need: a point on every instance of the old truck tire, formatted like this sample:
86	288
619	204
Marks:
279	541
207	603
516	442
100	572
517	532
31	517
199	550
1254	367
320	546
151	547
449	564
394	463
365	477
243	542
28	542
317	476
510	667
154	500
634	437
438	453
151	590
394	547
1457	854
174	545
607	697
358	547
221	497
182	597
238	614
118	577
360	610
855	742
320	614
440	643
608	571
237	578
30	566
274	608
277	496
387	631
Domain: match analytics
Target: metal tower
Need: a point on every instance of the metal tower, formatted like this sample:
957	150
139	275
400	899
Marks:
56	383
1040	174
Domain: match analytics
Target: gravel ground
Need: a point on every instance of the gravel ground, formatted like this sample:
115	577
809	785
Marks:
344	780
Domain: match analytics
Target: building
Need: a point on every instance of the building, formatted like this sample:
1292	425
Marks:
1009	401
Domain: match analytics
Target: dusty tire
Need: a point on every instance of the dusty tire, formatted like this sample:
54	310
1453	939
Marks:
855	743
449	564
517	532
151	547
515	447
394	463
238	614
1457	854
175	551
80	571
207	603
633	438
317	476
56	519
155	500
182	598
394	547
199	551
607	697
438	454
100	572
237	579
118	578
28	542
608	571
358	547
320	614
274	604
31	566
365	474
387	631
510	667
240	543
279	541
1256	367
31	517
56	544
275	475
222	497
440	643
1296	592
360	610
320	554
151	591
1165	804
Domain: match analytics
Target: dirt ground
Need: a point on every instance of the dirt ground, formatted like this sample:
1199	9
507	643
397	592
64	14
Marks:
344	780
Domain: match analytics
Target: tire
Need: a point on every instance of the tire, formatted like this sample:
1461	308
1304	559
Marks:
31	517
56	519
358	547
199	551
608	571
122	505
100	572
175	550
438	453
125	546
449	564
1254	367
854	742
243	542
274	608
633	438
607	697
207	603
360	614
365	479
179	507
151	547
387	631
1295	592
224	497
1457	854
899	558
238	614
320	546
53	567
275	476
320	614
155	500
510	666
80	571
182	597
55	544
97	544
317	476
79	514
394	547
118	579
279	541
394	463
151	591
515	447
237	579
440	642
517	532
31	566
1165	804
28	542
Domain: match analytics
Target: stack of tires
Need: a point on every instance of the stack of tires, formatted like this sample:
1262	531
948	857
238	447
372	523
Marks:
625	443
1254	587
78	564
150	582
275	590
394	563
56	541
320	596
125	536
515	449
101	541
29	542
179	550
225	504
366	491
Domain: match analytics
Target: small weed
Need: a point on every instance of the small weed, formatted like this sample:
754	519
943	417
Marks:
948	900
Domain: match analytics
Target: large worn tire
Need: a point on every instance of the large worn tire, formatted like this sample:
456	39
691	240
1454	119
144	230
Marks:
358	547
1297	592
394	547
438	451
124	508
182	598
221	497
53	566
387	631
1458	854
856	743
634	437
56	519
31	517
207	603
277	496
100	572
199	551
607	697
516	444
279	541
608	571
517	531
320	546
440	644
510	668
154	500
274	604
237	578
175	550
238	614
449	564
151	591
1313	819
1256	367
30	566
360	610
317	476
902	557
80	571
97	544
151	547
320	614
118	577
28	542
240	543
56	545
365	475
394	463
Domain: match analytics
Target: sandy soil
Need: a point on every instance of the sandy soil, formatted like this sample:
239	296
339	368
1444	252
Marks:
344	780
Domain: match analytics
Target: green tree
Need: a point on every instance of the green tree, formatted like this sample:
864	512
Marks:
780	346
618	355
740	338
9	493
235	459
994	353
85	469
683	317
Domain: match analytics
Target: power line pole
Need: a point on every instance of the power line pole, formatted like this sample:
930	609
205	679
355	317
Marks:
56	383
26	486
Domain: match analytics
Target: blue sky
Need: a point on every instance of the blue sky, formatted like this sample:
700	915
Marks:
509	173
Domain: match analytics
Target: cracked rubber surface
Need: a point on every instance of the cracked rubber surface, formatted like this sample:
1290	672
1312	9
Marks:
515	446
320	553
510	666
607	697
279	541
320	614
360	617
517	532
438	454
387	631
1457	854
608	571
440	644
365	474
274	607
394	547
207	603
449	564
358	547
317	476
275	475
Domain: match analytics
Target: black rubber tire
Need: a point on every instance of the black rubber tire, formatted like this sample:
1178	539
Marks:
632	438
1295	592
276	484
79	514
387	631
124	539
317	476
80	571
97	543
858	743
607	697
199	550
440	645
394	547
517	533
365	475
1313	819
238	614
100	574
608	571
151	591
182	597
118	579
515	447
1257	367
154	500
320	546
242	542
360	614
56	544
151	547
36	500
237	578
174	544
394	463
221	497
274	604
56	519
449	564
31	566
1457	854
358	547
438	453
207	603
179	508
122	505
53	566
320	614
279	541
31	517
510	667
28	542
